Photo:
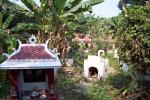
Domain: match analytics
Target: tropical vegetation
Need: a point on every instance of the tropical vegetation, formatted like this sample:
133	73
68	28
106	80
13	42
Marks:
59	20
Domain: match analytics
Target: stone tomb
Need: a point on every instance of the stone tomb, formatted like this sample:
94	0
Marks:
95	66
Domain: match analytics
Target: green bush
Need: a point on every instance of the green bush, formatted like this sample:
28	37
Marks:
2	58
113	62
97	92
118	80
4	88
64	82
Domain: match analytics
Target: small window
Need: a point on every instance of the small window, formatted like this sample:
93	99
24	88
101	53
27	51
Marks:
34	75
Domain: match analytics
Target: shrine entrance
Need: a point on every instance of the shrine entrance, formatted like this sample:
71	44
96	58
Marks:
31	78
93	72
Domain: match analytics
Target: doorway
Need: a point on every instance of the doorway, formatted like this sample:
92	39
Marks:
93	72
31	78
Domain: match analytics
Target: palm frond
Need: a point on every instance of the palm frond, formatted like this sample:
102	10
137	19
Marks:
31	5
8	21
26	26
95	2
60	4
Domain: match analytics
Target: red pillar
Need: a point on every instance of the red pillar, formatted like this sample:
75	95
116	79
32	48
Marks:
52	93
13	77
50	76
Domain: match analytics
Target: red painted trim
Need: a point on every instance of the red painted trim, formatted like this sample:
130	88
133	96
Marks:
51	83
13	77
50	76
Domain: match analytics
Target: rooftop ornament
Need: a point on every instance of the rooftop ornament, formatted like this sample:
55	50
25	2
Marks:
32	39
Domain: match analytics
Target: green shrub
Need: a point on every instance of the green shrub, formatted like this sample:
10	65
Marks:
2	58
2	75
97	92
4	88
118	80
64	82
113	62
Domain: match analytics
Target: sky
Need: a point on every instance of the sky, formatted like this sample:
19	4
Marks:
106	9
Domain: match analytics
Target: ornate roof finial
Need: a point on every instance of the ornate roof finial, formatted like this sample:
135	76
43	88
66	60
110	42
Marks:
32	39
47	41
19	41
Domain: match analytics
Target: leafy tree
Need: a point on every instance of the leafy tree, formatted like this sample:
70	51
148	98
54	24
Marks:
132	2
133	39
97	28
8	7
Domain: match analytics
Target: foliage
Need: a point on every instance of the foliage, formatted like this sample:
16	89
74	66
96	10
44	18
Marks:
94	91
52	16
51	13
96	27
113	62
118	80
2	58
124	3
4	26
97	92
4	88
7	41
2	72
134	39
7	6
65	82
26	26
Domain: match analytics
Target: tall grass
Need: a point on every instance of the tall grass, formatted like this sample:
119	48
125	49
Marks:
97	92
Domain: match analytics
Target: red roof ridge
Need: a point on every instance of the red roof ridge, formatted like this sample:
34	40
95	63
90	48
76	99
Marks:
32	51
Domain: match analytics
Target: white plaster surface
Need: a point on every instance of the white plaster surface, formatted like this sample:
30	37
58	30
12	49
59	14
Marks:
99	63
116	54
101	53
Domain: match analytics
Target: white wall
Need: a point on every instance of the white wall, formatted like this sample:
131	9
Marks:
99	63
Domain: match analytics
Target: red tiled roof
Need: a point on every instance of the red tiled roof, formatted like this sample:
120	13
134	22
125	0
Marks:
83	38
31	52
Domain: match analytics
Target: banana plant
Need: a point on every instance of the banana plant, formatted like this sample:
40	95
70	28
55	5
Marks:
7	42
4	26
53	12
115	23
51	17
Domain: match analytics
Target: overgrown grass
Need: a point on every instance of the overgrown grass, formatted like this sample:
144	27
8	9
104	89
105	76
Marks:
94	92
112	61
113	86
97	92
64	82
118	80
